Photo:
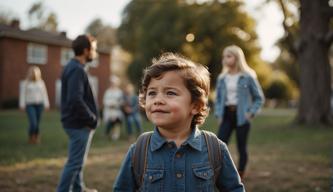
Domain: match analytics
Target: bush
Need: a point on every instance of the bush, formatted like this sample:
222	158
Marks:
280	87
11	103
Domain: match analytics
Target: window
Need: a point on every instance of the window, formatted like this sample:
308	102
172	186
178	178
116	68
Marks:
37	54
66	55
58	93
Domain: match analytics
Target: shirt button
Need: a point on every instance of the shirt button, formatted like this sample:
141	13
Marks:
179	175
150	177
178	155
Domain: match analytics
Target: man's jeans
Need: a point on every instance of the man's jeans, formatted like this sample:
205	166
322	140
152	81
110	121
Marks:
79	144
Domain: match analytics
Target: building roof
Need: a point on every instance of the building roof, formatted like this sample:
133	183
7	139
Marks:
39	36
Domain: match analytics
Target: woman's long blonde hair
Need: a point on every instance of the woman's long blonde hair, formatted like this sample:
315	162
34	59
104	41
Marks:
34	74
240	61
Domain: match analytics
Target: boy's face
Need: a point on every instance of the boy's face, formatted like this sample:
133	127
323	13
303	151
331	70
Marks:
168	102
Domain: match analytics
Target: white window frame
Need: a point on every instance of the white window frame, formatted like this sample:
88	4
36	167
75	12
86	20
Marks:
66	55
58	93
94	63
37	54
93	81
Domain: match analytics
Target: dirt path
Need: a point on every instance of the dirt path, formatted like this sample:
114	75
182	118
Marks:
43	174
268	171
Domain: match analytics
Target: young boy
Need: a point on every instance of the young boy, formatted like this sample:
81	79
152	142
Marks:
174	95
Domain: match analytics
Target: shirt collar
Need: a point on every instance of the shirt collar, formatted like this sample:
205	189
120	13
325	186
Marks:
156	140
194	140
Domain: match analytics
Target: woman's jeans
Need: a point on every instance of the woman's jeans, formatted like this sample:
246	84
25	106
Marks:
34	112
79	144
229	123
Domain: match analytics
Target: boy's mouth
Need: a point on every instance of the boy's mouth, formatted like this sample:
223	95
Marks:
158	111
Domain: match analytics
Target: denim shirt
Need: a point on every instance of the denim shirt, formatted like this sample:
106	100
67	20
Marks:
186	168
249	94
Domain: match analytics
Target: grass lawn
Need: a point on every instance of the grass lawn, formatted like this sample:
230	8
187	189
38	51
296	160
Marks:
283	157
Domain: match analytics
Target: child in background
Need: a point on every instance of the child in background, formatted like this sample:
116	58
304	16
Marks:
131	110
174	94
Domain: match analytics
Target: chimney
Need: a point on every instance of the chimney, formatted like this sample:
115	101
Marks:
63	34
15	24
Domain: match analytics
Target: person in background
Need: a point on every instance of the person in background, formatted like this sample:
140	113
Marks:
113	116
34	99
238	99
131	110
79	113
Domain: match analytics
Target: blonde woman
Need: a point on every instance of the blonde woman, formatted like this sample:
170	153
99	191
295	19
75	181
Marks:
238	98
33	99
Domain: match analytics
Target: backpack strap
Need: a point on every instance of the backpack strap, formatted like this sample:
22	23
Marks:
214	152
139	157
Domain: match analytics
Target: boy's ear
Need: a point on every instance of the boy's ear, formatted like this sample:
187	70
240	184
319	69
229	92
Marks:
196	108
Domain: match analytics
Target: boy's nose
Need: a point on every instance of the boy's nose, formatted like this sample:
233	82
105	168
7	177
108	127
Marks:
158	101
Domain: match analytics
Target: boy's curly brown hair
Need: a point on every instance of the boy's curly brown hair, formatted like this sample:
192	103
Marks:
196	79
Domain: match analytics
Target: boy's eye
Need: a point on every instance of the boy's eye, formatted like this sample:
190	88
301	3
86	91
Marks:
171	93
151	93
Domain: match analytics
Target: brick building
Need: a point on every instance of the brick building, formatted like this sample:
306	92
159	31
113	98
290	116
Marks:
20	49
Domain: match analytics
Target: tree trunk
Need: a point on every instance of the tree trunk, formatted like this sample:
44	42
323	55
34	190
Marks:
315	77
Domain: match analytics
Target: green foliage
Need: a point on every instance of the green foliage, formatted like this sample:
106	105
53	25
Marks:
150	28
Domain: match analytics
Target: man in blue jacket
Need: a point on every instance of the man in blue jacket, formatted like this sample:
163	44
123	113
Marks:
79	115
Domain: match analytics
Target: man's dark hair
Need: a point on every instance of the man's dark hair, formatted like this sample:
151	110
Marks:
82	42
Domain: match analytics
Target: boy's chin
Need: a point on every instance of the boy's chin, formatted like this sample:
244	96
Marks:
160	125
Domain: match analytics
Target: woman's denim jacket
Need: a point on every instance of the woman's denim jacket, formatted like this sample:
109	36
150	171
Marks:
249	94
186	168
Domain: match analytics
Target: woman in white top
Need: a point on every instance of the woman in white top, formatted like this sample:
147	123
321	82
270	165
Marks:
33	99
238	99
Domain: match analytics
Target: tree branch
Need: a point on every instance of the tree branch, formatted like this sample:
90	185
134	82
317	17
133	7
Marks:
289	36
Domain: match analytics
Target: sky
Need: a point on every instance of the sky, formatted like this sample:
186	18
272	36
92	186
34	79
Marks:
75	15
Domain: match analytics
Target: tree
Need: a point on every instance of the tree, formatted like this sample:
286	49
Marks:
311	51
105	34
287	61
198	31
315	72
42	18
